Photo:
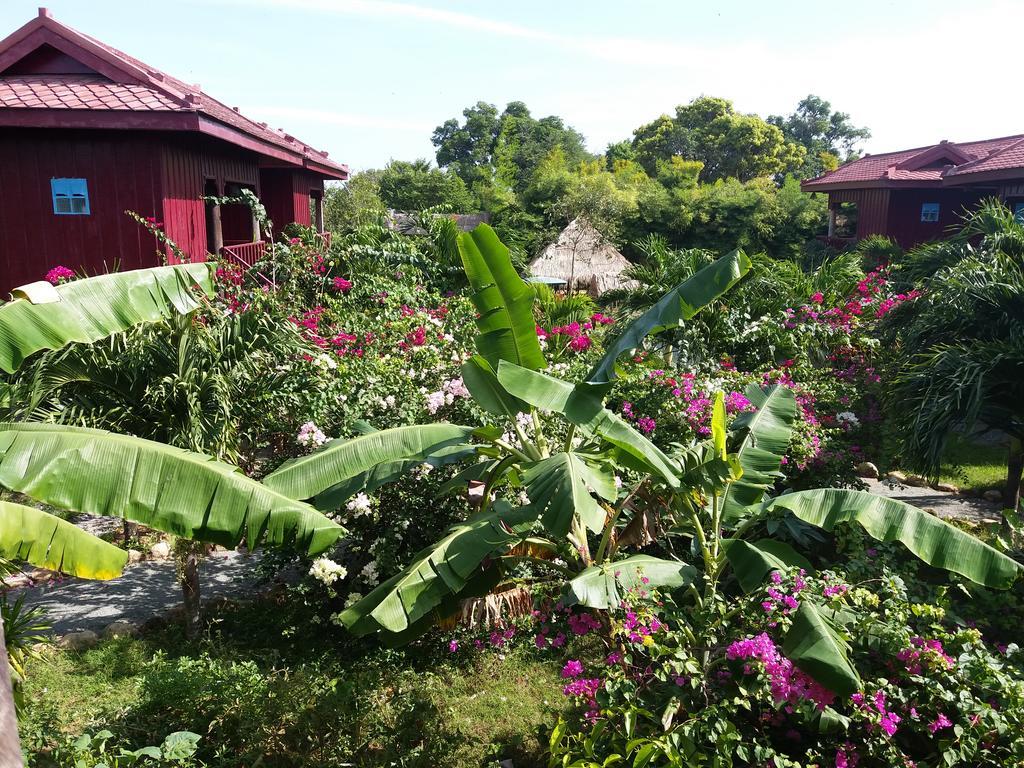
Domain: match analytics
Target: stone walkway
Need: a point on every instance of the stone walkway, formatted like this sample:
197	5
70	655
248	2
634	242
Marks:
146	589
946	505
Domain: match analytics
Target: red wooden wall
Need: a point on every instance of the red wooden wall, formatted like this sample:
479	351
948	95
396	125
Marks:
186	167
122	172
285	193
905	225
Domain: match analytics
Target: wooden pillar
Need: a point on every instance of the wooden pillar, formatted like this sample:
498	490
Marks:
218	230
318	211
831	222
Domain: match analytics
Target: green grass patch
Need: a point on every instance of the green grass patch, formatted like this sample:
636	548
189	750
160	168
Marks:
973	466
268	686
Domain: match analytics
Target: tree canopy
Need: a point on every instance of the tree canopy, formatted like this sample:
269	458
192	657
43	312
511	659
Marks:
829	137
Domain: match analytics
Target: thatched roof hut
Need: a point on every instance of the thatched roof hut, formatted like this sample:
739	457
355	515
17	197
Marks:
582	256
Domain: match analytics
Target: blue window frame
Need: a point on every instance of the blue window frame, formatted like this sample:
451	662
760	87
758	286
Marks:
1018	211
930	212
70	197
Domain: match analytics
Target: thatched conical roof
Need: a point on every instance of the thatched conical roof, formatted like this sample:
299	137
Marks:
583	256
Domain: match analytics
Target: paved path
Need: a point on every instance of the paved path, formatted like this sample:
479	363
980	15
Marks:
949	505
146	589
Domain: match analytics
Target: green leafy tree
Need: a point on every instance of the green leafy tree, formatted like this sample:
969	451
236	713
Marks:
508	147
415	186
829	137
729	144
354	203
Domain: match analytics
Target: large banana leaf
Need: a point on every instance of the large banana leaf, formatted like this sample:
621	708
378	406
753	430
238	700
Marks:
768	430
936	542
96	307
184	493
557	486
504	301
340	460
388	472
487	392
680	304
439	571
41	539
814	645
752	561
583	406
604	586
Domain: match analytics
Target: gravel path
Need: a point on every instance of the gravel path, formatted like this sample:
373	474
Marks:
146	589
947	505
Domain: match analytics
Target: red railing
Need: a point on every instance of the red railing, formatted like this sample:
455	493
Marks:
245	254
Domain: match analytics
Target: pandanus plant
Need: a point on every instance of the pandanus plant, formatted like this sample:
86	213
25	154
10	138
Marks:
185	493
557	443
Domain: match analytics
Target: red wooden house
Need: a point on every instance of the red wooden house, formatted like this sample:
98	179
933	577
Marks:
917	195
88	132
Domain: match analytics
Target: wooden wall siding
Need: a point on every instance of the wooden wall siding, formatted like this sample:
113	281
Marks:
122	172
905	225
285	194
186	167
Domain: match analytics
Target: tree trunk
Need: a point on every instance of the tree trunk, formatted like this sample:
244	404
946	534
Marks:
1014	468
10	747
189	570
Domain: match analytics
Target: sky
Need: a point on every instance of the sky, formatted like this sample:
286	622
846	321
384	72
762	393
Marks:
369	80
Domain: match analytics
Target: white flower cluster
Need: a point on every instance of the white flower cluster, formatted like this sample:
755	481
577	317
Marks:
359	505
848	417
327	571
325	361
386	403
450	390
369	573
310	435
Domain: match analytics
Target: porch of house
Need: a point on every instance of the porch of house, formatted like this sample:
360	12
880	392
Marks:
233	231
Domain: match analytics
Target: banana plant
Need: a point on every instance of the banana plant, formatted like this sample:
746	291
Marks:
546	470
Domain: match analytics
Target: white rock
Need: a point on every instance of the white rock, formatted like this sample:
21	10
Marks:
160	550
79	641
916	481
993	494
866	469
134	556
947	487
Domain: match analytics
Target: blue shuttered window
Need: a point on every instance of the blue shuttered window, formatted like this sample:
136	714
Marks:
70	197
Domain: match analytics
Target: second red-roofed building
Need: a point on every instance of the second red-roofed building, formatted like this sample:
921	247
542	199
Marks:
88	132
918	195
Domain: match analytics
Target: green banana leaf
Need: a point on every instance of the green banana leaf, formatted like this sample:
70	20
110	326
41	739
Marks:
605	586
752	561
936	542
583	406
184	493
388	472
814	645
340	460
768	430
41	539
96	307
487	392
504	301
680	304
557	487
440	570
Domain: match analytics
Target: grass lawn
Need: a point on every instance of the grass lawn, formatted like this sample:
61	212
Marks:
267	686
974	466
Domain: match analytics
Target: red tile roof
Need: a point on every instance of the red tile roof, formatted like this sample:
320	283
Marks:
898	168
126	84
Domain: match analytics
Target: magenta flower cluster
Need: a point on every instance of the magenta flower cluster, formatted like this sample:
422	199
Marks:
925	655
888	720
59	275
788	684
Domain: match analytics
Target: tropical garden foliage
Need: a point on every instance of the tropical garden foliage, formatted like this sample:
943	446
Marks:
525	525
